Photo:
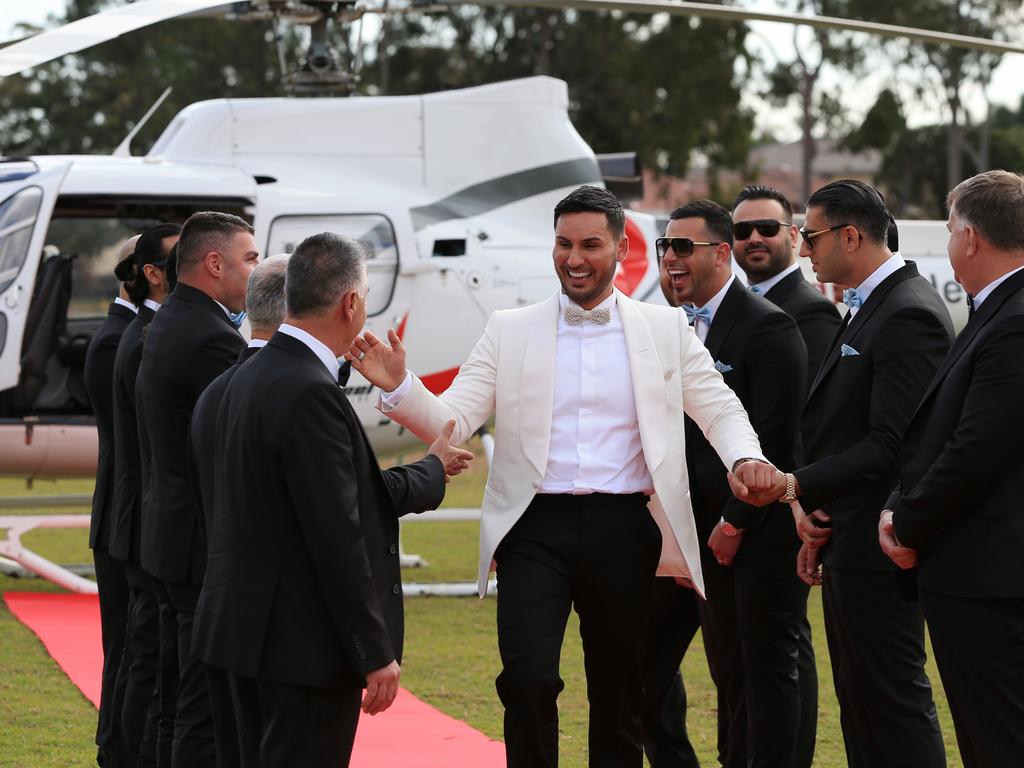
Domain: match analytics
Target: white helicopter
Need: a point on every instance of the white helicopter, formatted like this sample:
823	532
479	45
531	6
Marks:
459	224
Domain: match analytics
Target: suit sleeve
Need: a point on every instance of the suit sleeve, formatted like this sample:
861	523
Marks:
714	407
416	487
818	323
775	363
469	400
909	351
323	485
218	353
984	446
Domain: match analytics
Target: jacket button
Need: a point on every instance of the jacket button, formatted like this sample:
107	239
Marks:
392	550
396	589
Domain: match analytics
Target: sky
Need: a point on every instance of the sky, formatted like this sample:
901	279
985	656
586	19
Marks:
857	95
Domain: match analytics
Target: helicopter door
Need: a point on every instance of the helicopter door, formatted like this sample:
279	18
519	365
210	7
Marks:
27	198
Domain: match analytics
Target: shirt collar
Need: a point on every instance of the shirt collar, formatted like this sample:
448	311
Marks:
126	304
258	343
893	264
226	310
985	292
318	348
154	305
716	301
766	285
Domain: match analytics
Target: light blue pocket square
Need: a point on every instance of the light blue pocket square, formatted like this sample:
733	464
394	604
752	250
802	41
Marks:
846	350
722	367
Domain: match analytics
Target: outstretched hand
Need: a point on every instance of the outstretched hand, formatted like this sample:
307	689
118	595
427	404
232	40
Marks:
454	459
381	364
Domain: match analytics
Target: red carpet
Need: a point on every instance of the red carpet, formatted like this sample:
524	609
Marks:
411	734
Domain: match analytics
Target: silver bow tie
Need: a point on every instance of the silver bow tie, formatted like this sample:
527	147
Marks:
577	316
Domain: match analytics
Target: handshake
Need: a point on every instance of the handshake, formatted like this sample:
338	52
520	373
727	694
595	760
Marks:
757	482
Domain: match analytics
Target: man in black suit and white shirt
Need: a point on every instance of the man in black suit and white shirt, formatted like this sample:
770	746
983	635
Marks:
884	355
302	603
190	342
962	466
755	602
110	577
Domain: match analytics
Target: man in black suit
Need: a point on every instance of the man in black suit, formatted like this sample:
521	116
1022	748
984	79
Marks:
961	468
755	602
765	244
884	355
302	603
190	342
110	577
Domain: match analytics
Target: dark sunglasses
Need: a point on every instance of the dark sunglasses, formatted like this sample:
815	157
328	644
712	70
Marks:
681	246
809	236
765	228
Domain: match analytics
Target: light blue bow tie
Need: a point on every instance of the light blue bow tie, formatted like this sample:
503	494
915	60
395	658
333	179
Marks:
852	299
236	319
692	313
757	289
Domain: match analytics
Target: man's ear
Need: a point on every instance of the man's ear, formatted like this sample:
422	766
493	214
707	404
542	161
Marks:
622	248
972	241
213	262
722	253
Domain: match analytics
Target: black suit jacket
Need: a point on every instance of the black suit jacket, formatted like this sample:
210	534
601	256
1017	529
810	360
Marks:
816	316
99	375
962	464
762	346
189	343
125	528
303	584
859	406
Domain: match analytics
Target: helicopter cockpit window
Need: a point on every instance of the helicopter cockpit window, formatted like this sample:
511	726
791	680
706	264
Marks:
373	230
17	217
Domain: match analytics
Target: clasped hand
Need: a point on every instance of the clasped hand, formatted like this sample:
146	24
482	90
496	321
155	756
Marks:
756	483
904	557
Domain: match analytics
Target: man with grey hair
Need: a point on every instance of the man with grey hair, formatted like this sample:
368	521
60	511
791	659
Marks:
955	514
302	603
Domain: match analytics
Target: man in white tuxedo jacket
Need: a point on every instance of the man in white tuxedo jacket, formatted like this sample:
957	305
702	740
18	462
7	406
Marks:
588	389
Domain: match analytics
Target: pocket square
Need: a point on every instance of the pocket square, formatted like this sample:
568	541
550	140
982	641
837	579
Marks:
722	367
669	373
846	350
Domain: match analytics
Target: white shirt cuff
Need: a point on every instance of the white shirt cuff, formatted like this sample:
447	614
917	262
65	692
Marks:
391	400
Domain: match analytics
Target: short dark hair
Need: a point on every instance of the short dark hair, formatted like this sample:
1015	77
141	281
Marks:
853	202
588	199
892	235
321	270
763	192
716	218
206	231
993	203
148	250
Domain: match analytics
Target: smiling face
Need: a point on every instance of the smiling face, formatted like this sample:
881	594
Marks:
698	277
585	255
760	257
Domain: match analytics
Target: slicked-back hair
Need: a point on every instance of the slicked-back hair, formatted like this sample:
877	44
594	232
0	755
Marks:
264	293
717	219
892	235
763	192
852	202
148	250
321	270
589	199
993	203
206	231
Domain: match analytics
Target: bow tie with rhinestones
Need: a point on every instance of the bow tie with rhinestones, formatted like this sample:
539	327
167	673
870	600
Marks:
578	316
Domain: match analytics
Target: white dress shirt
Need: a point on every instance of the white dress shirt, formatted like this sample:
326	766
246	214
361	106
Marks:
126	303
154	305
890	265
700	327
766	285
226	310
320	349
985	292
595	442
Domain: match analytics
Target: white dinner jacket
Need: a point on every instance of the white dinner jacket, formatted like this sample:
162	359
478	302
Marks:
511	374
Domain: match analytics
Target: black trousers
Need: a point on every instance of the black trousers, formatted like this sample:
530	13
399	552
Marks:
674	622
979	648
286	726
167	679
194	743
597	553
140	664
752	623
222	709
876	643
114	596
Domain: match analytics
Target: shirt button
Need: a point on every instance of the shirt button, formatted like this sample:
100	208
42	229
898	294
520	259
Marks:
396	589
392	550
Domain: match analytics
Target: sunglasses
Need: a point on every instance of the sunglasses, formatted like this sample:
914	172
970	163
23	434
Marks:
742	230
809	236
681	246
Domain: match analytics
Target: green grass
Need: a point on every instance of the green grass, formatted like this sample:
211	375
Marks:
451	657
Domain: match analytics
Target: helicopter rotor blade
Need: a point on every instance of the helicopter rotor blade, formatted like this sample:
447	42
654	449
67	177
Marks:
733	13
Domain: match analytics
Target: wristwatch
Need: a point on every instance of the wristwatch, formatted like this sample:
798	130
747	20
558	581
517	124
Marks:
790	495
728	528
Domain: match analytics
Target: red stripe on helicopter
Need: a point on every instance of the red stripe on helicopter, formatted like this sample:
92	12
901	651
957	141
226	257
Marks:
633	268
439	382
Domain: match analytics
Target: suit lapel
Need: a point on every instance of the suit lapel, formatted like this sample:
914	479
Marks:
781	290
831	356
725	318
537	383
648	381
